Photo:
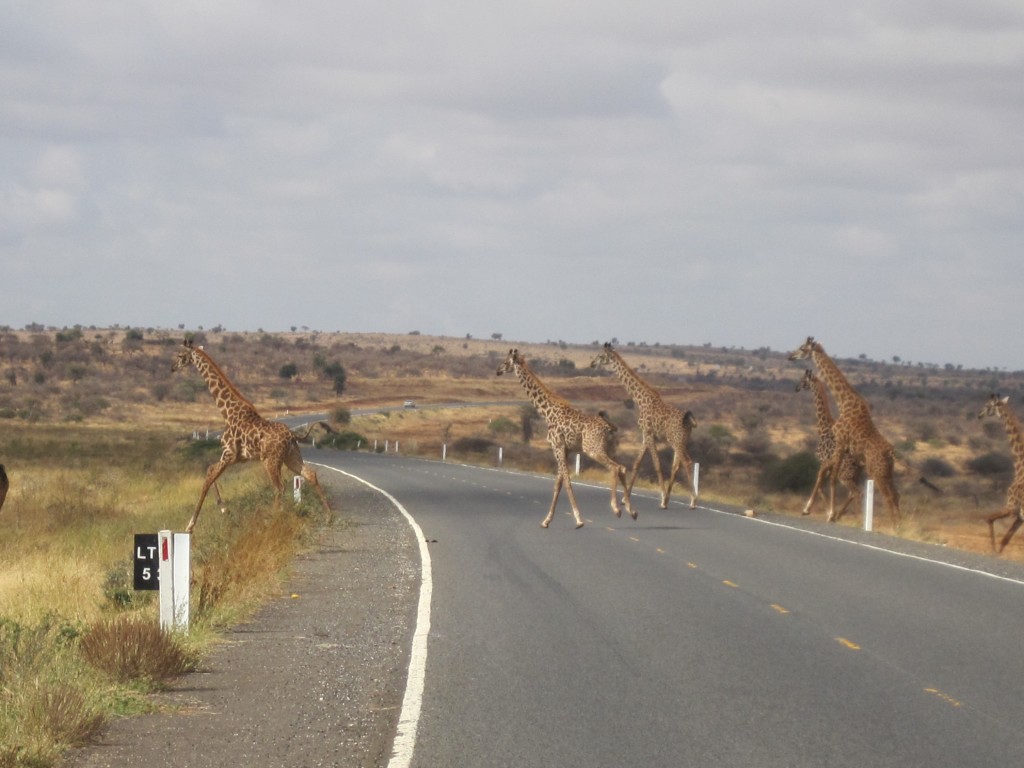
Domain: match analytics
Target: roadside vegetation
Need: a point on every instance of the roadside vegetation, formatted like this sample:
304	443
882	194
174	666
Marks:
101	441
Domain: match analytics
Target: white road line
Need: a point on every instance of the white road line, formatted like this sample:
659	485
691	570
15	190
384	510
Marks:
874	547
412	702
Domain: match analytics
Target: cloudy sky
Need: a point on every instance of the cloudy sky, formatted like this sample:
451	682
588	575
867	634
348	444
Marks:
675	171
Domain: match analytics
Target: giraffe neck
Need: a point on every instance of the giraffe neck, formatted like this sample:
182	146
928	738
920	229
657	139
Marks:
1012	426
546	401
846	396
822	410
638	389
230	402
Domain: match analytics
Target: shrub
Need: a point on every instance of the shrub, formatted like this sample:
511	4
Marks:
343	441
129	647
473	445
936	467
795	473
990	464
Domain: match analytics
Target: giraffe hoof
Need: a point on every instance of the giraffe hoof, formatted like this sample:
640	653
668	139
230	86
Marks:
664	504
693	505
632	514
618	512
579	525
545	524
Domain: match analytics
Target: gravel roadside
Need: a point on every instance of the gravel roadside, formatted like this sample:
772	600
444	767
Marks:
315	679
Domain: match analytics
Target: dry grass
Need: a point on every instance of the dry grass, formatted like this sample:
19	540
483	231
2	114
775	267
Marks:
131	647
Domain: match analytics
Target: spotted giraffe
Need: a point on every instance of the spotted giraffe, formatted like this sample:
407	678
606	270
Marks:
854	431
569	429
850	470
247	435
657	420
1000	406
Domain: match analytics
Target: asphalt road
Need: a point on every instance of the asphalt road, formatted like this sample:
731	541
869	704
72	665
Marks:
694	638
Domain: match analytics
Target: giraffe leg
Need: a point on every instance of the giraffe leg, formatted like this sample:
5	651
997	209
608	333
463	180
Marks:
310	477
678	461
653	449
817	490
273	468
1013	529
636	468
561	477
991	519
831	516
214	471
293	460
619	472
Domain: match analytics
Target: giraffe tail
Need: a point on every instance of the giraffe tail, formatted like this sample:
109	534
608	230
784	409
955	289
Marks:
928	484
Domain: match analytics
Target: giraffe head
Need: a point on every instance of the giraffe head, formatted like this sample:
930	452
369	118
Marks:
689	420
806	381
511	361
603	358
994	406
185	356
805	350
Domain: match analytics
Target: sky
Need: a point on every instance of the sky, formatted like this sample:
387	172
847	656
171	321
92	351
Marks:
744	174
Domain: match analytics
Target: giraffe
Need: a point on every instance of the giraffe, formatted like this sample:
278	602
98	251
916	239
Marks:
5	485
854	431
1000	406
569	429
247	435
657	420
850	470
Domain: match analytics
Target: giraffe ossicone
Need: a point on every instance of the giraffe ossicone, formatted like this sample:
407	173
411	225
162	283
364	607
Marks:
247	435
570	429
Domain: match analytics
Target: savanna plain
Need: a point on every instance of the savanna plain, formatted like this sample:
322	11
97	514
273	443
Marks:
100	441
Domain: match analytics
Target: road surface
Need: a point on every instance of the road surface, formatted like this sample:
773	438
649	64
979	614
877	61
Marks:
699	638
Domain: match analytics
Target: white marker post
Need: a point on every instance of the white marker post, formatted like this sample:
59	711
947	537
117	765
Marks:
501	455
696	479
175	550
577	465
297	488
444	451
869	505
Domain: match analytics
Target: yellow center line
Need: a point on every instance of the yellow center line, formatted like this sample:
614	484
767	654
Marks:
659	550
633	538
945	697
730	583
778	608
691	565
848	643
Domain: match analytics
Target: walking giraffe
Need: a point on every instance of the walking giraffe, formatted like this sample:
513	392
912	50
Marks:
569	429
247	435
850	470
854	431
1000	406
657	420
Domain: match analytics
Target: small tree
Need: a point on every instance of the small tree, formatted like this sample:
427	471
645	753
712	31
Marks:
288	371
336	371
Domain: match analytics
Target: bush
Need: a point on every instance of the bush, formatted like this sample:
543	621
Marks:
936	467
796	473
343	441
991	464
473	445
128	647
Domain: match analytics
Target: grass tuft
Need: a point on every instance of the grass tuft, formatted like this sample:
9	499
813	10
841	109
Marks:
130	647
